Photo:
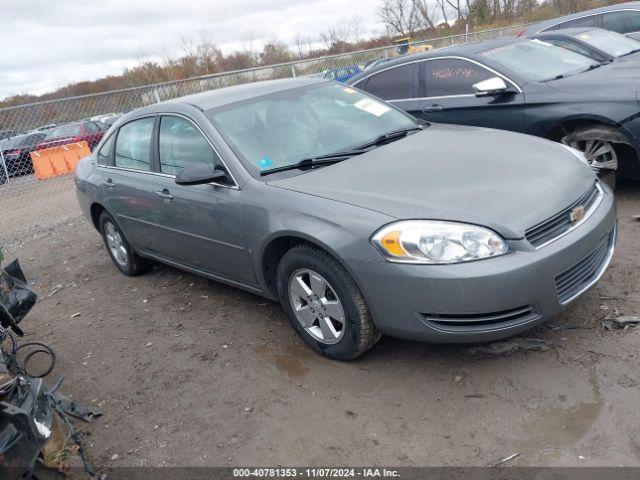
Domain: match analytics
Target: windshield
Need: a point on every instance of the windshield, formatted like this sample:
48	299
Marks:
282	128
610	42
538	61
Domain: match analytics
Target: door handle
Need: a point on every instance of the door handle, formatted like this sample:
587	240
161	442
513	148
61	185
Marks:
165	195
109	184
432	108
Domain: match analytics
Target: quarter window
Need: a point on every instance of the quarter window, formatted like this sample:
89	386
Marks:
447	77
133	145
392	84
105	150
621	22
181	144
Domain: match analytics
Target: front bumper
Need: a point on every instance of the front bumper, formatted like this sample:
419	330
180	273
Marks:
488	299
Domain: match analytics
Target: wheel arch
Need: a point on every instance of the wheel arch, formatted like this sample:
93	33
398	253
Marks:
279	244
95	211
570	124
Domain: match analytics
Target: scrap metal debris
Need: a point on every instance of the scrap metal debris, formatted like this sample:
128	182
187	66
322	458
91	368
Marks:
36	435
509	347
613	322
506	459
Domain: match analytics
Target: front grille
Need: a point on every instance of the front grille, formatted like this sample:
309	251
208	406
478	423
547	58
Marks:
560	223
481	321
576	279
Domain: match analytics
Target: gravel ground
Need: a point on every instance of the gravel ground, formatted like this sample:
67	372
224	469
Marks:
192	372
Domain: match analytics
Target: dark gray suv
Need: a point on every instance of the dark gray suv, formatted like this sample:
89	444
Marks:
358	219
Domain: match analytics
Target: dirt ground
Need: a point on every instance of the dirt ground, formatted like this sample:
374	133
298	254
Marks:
191	372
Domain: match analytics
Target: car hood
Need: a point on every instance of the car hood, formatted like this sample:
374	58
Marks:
617	78
506	181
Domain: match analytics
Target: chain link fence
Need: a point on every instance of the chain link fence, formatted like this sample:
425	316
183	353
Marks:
32	199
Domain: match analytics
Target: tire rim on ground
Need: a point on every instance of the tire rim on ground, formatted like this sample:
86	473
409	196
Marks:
599	153
316	306
115	244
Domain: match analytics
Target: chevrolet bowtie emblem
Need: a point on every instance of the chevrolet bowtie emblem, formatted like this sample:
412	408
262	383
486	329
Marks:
577	214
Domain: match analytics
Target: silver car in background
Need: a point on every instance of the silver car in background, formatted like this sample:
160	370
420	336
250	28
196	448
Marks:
358	219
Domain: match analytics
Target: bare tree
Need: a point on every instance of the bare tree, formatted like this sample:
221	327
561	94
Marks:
425	12
399	17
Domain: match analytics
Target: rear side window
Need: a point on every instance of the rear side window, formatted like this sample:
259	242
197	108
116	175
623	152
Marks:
589	21
105	151
181	144
622	22
133	145
447	77
392	84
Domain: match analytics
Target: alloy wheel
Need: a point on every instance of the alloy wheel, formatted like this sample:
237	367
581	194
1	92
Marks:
116	244
316	306
599	153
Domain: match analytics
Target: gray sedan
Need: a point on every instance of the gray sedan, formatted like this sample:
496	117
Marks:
360	220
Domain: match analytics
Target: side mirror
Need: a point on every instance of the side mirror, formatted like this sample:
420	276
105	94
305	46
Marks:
200	174
491	86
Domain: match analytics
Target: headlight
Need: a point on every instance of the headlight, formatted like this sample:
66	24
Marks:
578	154
437	242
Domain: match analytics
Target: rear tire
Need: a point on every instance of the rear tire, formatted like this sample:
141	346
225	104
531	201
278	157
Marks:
328	311
120	251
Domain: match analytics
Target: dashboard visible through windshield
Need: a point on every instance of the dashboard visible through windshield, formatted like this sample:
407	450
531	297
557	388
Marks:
283	128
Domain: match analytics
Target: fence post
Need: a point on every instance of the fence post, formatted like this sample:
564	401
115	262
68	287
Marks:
4	165
293	70
157	95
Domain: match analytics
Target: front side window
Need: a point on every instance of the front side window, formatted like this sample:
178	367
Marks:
392	84
180	144
613	43
537	60
447	77
622	22
133	145
283	128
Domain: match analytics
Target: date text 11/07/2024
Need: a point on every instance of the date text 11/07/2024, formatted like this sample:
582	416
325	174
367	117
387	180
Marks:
315	472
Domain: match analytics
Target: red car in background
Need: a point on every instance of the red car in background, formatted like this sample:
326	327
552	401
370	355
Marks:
86	131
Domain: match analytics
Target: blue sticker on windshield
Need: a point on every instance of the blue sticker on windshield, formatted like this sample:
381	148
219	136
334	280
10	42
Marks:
264	163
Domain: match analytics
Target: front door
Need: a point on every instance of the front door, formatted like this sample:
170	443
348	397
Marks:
447	96
199	226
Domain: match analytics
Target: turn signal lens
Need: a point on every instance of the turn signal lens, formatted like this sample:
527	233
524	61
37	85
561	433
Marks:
437	242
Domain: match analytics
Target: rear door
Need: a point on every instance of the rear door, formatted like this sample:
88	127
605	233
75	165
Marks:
127	184
199	226
398	85
447	96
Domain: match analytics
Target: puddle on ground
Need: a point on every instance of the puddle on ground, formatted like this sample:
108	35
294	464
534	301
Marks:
286	360
557	426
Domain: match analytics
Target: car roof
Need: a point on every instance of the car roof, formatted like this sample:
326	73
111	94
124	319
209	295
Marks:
227	95
537	27
465	50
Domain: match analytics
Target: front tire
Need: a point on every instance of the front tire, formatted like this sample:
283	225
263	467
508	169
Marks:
324	305
120	251
598	145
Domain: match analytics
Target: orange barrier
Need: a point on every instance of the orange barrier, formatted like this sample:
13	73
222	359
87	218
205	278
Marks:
61	160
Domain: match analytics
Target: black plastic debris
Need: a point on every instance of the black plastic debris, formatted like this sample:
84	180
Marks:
35	431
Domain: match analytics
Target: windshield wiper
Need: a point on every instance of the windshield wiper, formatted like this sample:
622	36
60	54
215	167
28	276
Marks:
594	66
331	158
310	163
630	53
388	137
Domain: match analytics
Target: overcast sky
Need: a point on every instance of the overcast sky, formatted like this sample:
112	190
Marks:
49	43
